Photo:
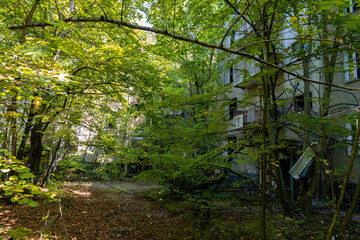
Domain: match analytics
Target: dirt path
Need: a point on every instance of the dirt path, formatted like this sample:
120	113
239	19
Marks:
100	211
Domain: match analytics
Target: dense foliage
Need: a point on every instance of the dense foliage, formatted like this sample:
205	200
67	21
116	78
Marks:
101	87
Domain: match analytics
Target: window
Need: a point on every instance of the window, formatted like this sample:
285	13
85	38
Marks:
353	7
351	66
352	127
232	108
299	103
229	76
302	167
238	120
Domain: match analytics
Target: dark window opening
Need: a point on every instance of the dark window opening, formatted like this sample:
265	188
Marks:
353	7
299	103
232	108
232	74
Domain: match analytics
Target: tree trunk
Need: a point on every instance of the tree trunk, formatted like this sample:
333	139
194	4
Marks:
13	125
343	189
36	148
28	125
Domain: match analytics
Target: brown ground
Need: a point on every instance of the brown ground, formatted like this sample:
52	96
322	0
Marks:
98	211
115	211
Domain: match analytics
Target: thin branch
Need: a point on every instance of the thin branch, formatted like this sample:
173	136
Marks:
28	19
91	68
227	32
301	38
101	9
83	68
237	12
57	9
182	38
62	218
102	93
233	7
122	11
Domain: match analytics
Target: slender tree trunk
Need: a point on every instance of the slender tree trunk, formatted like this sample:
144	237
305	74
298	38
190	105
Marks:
36	148
5	142
28	125
53	157
263	154
28	19
13	125
350	210
344	185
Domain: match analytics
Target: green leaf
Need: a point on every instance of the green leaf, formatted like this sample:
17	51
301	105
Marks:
22	169
5	170
8	193
33	204
21	182
9	183
51	187
13	178
19	188
24	200
27	175
36	191
15	198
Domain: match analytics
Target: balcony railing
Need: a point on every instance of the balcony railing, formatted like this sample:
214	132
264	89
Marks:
243	118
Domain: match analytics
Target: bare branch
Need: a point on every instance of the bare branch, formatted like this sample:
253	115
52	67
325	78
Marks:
233	7
241	14
92	68
122	10
101	9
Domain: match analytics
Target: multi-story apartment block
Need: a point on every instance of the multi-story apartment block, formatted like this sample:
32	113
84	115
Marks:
245	109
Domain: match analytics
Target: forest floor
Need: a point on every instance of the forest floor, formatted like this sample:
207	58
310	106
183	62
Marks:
119	211
96	211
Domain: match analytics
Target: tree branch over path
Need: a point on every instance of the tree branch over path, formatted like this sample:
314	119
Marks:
178	37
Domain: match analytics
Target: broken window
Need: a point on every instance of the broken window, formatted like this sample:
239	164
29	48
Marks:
232	108
299	103
303	167
351	66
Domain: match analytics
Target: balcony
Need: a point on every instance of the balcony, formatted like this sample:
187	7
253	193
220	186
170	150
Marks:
251	71
243	118
252	116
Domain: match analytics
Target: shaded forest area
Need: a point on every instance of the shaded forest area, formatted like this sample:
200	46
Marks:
243	116
127	210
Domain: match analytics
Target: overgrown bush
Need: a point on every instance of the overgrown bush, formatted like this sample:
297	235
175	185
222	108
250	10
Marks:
181	174
16	183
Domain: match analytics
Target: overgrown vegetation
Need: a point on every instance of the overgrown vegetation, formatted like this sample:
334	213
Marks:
202	97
